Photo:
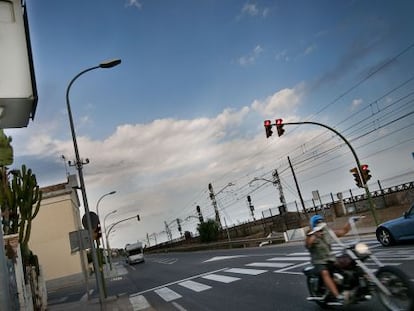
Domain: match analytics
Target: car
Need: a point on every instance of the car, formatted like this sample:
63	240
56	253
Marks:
397	230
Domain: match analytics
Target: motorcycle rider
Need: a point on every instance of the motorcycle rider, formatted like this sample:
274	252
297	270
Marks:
318	242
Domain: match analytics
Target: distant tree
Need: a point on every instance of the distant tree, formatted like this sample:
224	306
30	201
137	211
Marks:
209	231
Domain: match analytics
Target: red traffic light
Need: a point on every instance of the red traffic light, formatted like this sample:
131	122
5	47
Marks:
365	172
268	128
279	127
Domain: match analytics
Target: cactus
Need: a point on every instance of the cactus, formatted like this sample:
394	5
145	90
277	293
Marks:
6	197
20	203
27	196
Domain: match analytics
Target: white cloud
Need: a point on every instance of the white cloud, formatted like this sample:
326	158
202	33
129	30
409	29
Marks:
282	56
251	57
356	103
282	102
310	49
254	10
135	3
157	167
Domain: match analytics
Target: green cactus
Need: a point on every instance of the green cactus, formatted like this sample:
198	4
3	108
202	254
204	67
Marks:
20	203
28	197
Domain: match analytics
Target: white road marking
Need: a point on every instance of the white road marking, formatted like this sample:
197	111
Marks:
246	271
179	281
303	258
269	264
178	306
195	286
85	296
223	257
220	278
139	302
292	267
167	294
388	264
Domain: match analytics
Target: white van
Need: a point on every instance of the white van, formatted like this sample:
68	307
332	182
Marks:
134	253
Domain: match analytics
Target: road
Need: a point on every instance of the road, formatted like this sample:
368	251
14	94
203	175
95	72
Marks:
267	278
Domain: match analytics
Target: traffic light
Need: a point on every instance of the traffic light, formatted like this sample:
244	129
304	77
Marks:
179	226
357	178
139	219
365	173
249	200
200	216
279	127
98	232
268	128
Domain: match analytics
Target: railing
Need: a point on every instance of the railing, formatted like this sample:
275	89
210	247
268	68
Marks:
235	243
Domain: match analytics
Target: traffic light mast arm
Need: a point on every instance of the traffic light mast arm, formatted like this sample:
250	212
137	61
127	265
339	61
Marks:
337	133
355	156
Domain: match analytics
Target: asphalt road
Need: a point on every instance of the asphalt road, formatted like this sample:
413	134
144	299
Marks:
267	278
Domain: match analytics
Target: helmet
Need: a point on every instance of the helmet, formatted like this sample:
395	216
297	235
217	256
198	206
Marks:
314	220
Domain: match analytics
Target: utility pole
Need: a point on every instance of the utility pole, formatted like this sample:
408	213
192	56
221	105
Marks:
179	226
251	207
168	231
278	184
297	187
214	202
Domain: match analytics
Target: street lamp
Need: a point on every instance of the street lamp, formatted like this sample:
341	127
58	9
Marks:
97	211
106	237
109	232
79	165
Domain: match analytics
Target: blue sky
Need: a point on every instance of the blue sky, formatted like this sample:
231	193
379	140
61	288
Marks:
197	79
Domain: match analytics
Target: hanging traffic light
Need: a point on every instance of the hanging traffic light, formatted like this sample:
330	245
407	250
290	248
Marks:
97	232
138	218
365	173
268	128
357	178
251	206
279	127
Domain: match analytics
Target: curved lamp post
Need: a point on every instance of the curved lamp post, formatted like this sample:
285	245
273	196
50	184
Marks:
79	165
97	211
109	232
106	238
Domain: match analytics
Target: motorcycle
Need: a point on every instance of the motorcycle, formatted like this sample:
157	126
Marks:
356	282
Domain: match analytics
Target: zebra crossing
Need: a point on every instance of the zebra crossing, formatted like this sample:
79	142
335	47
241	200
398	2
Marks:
165	261
292	263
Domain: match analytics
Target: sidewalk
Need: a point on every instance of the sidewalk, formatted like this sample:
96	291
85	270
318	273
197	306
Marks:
111	303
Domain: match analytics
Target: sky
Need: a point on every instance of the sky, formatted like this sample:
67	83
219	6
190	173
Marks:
186	106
